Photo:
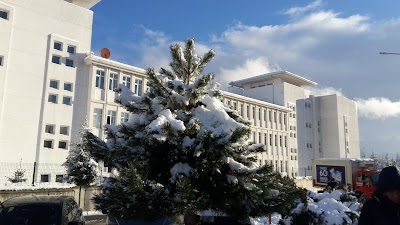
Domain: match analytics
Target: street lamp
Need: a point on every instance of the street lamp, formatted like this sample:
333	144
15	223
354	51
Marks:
389	53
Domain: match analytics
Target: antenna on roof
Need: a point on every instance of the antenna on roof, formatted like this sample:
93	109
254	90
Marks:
105	53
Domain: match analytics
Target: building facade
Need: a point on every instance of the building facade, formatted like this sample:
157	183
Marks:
320	126
42	79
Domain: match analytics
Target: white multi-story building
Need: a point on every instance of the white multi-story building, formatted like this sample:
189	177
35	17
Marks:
270	127
327	128
320	127
43	82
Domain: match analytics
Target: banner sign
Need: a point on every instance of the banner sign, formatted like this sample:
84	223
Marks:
329	173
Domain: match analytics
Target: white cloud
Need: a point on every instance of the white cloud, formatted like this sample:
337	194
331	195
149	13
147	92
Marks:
249	68
378	108
299	10
321	91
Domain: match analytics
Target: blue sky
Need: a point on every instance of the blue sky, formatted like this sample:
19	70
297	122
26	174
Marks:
334	43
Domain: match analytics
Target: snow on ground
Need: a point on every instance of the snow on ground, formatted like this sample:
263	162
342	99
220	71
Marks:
27	186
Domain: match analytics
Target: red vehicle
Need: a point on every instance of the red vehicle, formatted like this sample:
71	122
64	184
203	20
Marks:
358	175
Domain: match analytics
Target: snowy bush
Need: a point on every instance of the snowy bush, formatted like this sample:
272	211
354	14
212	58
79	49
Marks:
329	208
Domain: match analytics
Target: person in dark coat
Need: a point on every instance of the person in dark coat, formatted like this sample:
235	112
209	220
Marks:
384	206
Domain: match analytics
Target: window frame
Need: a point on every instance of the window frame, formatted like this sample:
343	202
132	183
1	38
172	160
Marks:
71	47
100	75
113	81
47	180
64	127
63	142
138	89
111	117
56	57
56	100
126	80
4	12
72	86
53	128
48	141
54	82
68	61
97	118
58	42
67	97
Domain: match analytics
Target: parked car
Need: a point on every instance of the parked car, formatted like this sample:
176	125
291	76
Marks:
41	210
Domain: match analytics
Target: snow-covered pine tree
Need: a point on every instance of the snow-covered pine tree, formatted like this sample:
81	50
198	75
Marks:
81	168
18	176
183	150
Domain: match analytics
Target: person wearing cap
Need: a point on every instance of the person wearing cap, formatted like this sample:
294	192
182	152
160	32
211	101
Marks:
384	206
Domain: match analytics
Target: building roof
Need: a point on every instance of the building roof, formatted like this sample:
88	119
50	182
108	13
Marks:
97	60
254	101
84	3
284	75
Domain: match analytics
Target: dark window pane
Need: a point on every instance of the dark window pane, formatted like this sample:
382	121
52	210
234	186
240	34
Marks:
69	62
71	49
57	46
56	59
4	15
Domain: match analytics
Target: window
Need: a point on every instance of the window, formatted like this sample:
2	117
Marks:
71	49
126	81
259	114
248	112
113	84
49	129
100	79
285	141
241	109
64	130
68	86
138	87
62	144
276	140
44	178
48	144
280	140
124	117
54	84
97	117
1	60
52	98
111	117
254	112
69	62
57	46
265	139
56	59
254	137
67	100
269	116
259	137
270	139
4	14
59	178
